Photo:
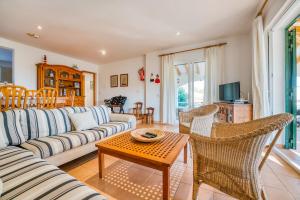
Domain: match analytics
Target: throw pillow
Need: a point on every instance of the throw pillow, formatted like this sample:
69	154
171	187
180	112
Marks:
83	121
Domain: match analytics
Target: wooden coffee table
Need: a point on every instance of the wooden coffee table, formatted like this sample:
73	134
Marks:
157	155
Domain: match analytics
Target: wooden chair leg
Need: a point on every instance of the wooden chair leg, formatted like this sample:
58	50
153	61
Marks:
263	194
196	186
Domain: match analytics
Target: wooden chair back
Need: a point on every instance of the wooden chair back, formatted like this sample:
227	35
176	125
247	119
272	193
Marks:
149	115
137	110
31	99
12	97
47	97
70	98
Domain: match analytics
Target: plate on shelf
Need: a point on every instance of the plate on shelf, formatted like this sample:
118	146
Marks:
137	134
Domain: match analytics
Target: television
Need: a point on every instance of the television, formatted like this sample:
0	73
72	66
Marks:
229	92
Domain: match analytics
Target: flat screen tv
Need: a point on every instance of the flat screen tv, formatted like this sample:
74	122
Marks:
229	92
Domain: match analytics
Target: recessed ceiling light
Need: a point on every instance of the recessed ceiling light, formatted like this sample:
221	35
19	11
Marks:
39	27
34	35
178	33
103	52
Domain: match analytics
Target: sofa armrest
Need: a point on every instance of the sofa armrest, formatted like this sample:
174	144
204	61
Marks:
114	117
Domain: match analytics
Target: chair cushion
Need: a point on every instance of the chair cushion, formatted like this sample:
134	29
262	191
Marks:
40	123
26	177
11	131
100	113
49	146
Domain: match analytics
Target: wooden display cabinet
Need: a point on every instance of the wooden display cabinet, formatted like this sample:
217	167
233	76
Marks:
64	79
235	113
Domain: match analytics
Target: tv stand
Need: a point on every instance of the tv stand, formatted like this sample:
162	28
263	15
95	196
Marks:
234	112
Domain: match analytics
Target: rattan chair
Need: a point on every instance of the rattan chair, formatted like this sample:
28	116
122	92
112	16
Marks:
198	120
231	159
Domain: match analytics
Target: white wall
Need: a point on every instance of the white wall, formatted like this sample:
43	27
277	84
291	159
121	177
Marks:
238	62
25	58
135	90
152	90
238	65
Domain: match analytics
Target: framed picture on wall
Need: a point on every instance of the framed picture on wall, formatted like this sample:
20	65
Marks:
123	80
114	80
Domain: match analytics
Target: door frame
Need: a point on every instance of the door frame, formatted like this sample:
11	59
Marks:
94	85
291	84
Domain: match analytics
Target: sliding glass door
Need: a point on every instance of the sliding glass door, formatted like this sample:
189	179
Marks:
291	87
190	79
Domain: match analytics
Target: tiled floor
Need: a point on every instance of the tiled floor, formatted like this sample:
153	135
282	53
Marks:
128	181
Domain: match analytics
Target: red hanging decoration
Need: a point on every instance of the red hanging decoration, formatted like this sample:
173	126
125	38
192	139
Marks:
151	78
157	79
142	74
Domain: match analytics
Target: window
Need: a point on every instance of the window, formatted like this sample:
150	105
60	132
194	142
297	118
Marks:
190	85
6	65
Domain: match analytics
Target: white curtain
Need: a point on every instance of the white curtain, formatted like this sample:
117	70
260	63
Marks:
168	90
260	87
214	73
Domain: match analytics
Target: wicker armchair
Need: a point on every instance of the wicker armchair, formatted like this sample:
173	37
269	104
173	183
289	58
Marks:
198	120
231	159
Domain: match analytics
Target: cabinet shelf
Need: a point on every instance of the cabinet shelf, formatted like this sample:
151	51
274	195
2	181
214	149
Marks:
63	78
67	79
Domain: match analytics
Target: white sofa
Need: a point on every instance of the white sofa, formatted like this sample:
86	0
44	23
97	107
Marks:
46	138
80	151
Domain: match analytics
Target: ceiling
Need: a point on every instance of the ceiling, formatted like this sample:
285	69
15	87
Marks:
124	28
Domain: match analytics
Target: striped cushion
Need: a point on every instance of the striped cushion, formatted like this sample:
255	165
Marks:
112	128
100	113
2	140
75	109
48	146
26	177
40	123
11	128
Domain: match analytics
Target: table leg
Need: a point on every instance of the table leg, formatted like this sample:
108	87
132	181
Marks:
101	163
166	183
185	154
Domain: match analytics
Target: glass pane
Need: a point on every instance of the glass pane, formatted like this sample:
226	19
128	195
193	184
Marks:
199	80
49	78
182	87
64	74
6	64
